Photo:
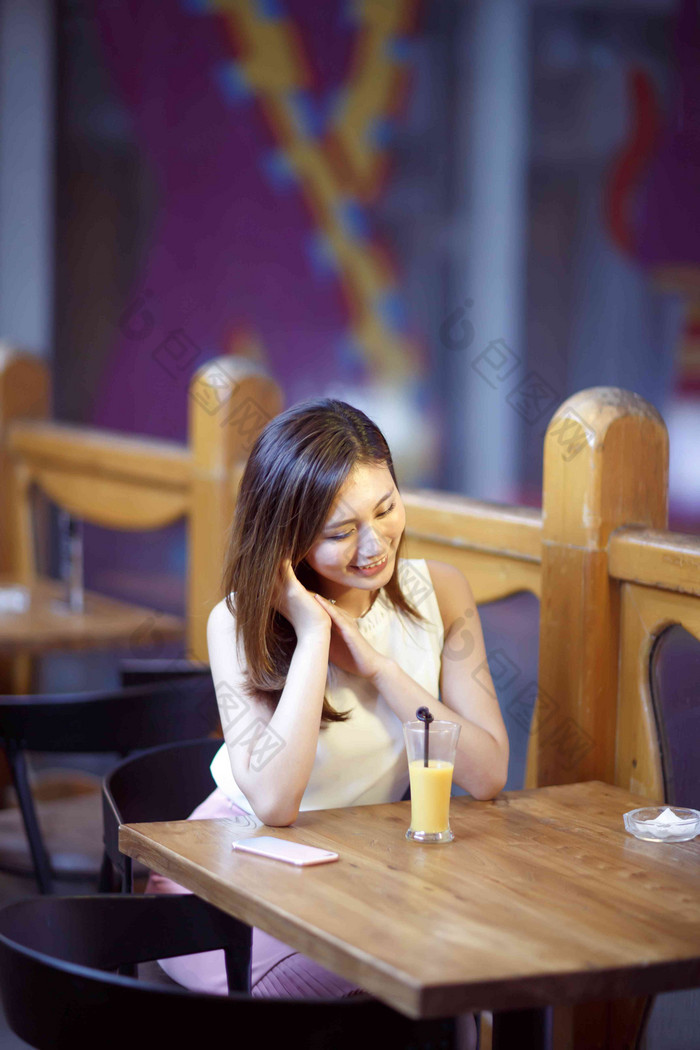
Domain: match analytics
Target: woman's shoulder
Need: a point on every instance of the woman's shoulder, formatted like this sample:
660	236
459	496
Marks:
221	636
221	619
443	574
452	590
436	575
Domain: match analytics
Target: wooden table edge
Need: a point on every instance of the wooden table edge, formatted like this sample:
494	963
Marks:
425	1001
402	993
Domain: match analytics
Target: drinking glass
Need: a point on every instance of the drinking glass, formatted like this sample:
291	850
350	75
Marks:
431	778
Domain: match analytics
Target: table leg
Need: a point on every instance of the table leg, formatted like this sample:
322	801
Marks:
16	677
616	1024
16	674
237	959
524	1029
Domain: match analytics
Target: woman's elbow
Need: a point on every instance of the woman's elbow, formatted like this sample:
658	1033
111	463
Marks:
490	784
486	792
276	813
277	819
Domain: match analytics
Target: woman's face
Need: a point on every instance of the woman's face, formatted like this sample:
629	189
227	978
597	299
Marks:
357	545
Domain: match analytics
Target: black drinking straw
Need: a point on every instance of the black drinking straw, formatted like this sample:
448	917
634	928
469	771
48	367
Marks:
423	713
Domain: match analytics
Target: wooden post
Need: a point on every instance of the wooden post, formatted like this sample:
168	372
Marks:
24	394
231	400
605	465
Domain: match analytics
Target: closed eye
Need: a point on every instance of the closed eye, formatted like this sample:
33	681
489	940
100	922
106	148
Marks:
380	514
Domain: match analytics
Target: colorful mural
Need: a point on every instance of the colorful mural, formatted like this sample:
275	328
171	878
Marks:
653	203
268	129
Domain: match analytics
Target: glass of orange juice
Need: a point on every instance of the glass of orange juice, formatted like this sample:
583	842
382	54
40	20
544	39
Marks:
431	783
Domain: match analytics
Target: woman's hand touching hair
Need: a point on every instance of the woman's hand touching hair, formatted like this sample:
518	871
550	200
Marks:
297	605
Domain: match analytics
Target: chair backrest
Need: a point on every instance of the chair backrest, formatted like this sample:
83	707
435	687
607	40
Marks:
162	783
54	952
119	721
125	482
139	670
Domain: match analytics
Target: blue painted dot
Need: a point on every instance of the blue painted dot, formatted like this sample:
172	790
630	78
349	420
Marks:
400	49
321	256
392	310
381	132
350	359
354	219
308	114
278	170
349	14
272	10
232	81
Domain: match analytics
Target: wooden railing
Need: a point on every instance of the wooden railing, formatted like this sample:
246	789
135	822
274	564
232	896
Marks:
499	549
130	483
610	579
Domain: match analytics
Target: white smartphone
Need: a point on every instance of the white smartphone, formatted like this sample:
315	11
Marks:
281	849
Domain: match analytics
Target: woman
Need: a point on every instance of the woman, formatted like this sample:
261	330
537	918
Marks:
327	641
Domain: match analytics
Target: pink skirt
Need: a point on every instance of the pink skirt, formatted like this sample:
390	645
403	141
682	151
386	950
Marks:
276	969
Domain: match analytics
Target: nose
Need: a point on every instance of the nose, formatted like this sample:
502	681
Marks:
370	544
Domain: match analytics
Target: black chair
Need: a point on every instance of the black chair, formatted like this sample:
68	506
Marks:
142	670
163	783
55	953
116	721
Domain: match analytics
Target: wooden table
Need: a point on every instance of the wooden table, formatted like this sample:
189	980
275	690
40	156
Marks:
543	898
104	623
47	625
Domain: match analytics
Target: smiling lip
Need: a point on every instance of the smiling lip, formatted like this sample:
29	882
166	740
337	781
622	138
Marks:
372	568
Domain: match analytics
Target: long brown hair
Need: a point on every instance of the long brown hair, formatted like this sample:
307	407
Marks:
290	484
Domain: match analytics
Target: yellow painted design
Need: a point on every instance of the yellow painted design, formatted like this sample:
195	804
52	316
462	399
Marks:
347	166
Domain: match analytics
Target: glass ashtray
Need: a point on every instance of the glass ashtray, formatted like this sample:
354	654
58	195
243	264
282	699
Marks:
663	823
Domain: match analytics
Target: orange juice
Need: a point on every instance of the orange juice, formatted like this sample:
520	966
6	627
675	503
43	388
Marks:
430	794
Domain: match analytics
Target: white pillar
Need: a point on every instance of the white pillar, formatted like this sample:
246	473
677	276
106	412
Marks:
26	173
492	157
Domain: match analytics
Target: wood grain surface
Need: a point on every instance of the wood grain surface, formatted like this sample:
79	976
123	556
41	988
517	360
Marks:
105	623
542	898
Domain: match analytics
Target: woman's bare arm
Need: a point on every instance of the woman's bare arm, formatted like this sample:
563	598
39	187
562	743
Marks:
468	696
467	693
273	779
